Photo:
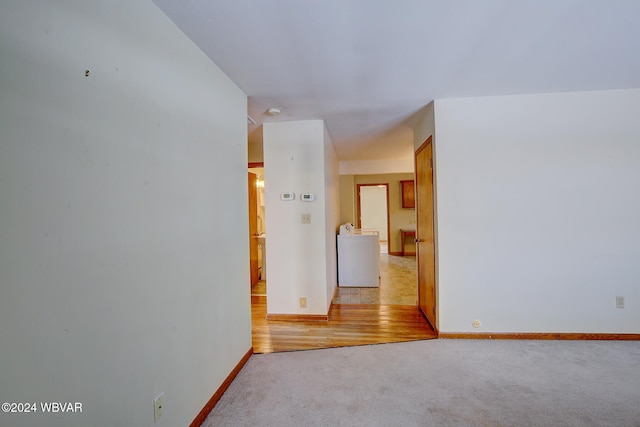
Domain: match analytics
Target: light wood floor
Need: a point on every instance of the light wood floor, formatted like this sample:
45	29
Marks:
348	325
398	284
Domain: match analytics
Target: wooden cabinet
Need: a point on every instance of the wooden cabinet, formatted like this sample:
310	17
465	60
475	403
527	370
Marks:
408	195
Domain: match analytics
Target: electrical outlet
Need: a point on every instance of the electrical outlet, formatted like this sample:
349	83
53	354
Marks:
305	218
619	302
158	406
303	302
476	323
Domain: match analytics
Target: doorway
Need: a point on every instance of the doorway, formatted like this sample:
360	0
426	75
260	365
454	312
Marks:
373	211
425	238
398	273
257	230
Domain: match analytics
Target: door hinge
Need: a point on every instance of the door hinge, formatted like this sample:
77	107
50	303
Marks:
431	163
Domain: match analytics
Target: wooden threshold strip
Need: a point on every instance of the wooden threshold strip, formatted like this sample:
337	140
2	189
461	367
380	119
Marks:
539	336
220	391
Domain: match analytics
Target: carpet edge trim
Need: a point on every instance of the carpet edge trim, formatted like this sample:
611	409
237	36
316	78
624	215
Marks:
540	336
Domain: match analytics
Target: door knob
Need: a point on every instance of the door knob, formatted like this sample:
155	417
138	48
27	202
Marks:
417	240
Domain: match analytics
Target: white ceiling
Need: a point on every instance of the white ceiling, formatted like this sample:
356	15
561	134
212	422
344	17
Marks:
366	66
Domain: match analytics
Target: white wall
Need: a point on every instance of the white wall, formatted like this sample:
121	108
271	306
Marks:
373	207
121	276
347	199
370	167
538	212
298	257
332	213
424	125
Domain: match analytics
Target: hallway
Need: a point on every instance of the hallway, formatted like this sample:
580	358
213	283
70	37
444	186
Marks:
359	316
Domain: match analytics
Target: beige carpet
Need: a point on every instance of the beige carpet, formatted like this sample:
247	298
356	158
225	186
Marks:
440	383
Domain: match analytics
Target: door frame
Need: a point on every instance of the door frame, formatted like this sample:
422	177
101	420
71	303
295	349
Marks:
252	235
419	211
253	231
359	208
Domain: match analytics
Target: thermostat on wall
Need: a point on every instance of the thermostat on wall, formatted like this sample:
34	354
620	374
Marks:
287	196
307	197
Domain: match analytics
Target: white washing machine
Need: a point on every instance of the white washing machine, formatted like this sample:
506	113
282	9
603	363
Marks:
358	258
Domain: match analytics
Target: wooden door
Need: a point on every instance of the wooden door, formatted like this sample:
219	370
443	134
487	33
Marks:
253	228
425	243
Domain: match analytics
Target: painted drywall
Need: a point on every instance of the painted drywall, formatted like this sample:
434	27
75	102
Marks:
368	167
398	217
369	146
121	277
347	199
332	214
295	157
424	125
373	208
538	212
255	152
